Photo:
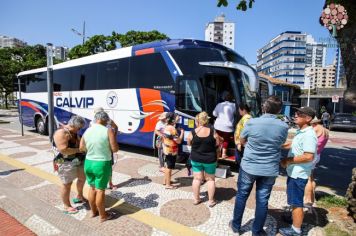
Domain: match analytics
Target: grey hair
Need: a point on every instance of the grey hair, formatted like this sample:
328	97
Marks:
102	115
76	122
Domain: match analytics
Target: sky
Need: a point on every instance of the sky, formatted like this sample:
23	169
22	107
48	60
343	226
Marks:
51	21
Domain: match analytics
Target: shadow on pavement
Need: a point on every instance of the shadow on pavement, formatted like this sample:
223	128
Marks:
8	172
335	168
135	182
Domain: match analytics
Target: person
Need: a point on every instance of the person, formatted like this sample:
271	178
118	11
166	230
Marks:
325	117
299	164
244	111
171	139
323	136
69	162
99	142
224	123
260	163
111	124
159	129
203	140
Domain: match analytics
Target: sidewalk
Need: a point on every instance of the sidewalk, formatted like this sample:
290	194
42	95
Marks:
10	226
29	191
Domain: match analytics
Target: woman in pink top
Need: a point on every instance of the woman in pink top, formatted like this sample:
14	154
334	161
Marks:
323	137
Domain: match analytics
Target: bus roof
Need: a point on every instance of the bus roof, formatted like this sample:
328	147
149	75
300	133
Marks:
156	46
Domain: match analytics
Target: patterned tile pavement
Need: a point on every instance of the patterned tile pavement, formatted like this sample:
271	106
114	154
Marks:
140	187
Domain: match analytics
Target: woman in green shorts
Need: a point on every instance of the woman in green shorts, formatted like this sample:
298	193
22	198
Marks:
99	142
204	142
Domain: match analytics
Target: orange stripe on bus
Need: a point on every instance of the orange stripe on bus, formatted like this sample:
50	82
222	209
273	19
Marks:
27	104
147	96
144	51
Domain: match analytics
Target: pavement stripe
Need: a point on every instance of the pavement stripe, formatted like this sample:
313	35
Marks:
160	223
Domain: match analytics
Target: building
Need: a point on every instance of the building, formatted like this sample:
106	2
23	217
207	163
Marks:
60	53
9	42
340	75
284	57
315	53
321	77
221	31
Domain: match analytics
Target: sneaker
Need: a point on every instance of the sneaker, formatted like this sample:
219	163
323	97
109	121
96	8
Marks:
189	172
236	231
289	232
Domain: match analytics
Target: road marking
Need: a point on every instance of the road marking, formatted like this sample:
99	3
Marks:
160	223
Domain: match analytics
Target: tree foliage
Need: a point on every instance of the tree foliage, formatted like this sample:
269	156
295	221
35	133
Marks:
101	43
242	4
15	60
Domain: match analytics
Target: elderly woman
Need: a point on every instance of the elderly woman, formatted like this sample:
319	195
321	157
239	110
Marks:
323	136
99	142
204	142
68	163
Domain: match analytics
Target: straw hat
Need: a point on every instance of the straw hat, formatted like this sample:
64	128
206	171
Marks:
315	120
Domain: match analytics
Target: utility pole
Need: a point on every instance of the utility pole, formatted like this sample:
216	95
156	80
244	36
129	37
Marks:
80	34
50	116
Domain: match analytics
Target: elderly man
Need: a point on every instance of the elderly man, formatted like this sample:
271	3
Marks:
70	161
299	166
264	137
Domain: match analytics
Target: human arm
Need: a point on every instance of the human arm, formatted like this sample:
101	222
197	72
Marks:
82	146
286	145
306	157
61	139
180	137
244	134
114	146
218	139
189	139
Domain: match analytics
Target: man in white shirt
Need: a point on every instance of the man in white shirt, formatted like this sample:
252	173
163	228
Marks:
224	123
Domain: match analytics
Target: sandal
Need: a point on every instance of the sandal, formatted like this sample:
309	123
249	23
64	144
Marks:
78	200
94	215
71	210
212	204
197	202
171	187
109	216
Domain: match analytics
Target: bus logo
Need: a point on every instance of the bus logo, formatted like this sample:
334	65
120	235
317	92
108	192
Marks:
111	99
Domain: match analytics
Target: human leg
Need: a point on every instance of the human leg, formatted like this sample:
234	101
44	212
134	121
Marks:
170	164
211	188
80	182
264	186
65	192
244	187
295	194
198	176
161	158
92	201
309	192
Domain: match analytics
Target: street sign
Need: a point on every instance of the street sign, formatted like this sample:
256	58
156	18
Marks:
335	98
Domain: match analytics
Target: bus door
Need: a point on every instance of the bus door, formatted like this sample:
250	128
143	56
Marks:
189	103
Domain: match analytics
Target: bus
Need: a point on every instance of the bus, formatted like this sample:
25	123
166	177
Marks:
136	84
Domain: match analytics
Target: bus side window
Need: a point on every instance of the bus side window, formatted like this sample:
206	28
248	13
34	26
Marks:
113	74
188	98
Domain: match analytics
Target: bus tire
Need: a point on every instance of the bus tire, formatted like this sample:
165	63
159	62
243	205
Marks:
41	126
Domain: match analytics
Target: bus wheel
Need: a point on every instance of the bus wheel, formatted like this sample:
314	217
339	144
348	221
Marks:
41	126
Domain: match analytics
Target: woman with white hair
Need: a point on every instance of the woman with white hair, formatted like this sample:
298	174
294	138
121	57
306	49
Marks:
68	163
99	142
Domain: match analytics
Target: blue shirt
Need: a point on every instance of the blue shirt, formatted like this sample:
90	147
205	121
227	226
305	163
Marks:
305	140
265	136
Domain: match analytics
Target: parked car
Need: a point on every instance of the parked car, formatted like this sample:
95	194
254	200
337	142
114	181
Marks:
343	121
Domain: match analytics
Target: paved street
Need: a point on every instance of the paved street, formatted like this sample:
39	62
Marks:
29	191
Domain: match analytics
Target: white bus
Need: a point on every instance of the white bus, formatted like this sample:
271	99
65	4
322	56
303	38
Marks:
136	84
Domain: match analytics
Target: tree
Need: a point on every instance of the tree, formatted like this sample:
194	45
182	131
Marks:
15	60
101	43
346	39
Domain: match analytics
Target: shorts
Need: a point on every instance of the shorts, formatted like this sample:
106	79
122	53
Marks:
208	168
98	173
316	161
68	171
170	161
295	191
